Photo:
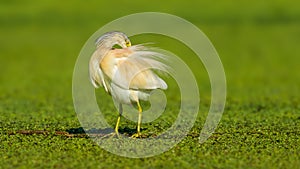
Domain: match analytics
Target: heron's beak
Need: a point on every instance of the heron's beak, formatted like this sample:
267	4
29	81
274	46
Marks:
128	44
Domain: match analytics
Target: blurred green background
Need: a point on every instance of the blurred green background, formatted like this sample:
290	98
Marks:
258	43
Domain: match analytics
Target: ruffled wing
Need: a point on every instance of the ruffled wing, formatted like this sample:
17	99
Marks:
133	68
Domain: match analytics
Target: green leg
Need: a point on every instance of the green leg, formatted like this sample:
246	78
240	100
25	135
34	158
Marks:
119	118
117	125
138	134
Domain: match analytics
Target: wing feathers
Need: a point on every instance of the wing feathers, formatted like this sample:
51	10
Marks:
128	68
136	70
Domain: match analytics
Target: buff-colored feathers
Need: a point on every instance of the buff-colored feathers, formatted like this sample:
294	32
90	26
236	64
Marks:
129	68
127	73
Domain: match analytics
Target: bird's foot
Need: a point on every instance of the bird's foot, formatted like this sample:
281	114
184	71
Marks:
136	135
112	135
115	134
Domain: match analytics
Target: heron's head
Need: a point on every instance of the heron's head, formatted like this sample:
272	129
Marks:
109	39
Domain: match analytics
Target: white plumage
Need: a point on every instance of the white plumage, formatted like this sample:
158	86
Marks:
126	73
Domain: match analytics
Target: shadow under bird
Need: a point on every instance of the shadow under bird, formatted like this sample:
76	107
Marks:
126	73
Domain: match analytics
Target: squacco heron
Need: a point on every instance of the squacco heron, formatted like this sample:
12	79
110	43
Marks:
125	72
